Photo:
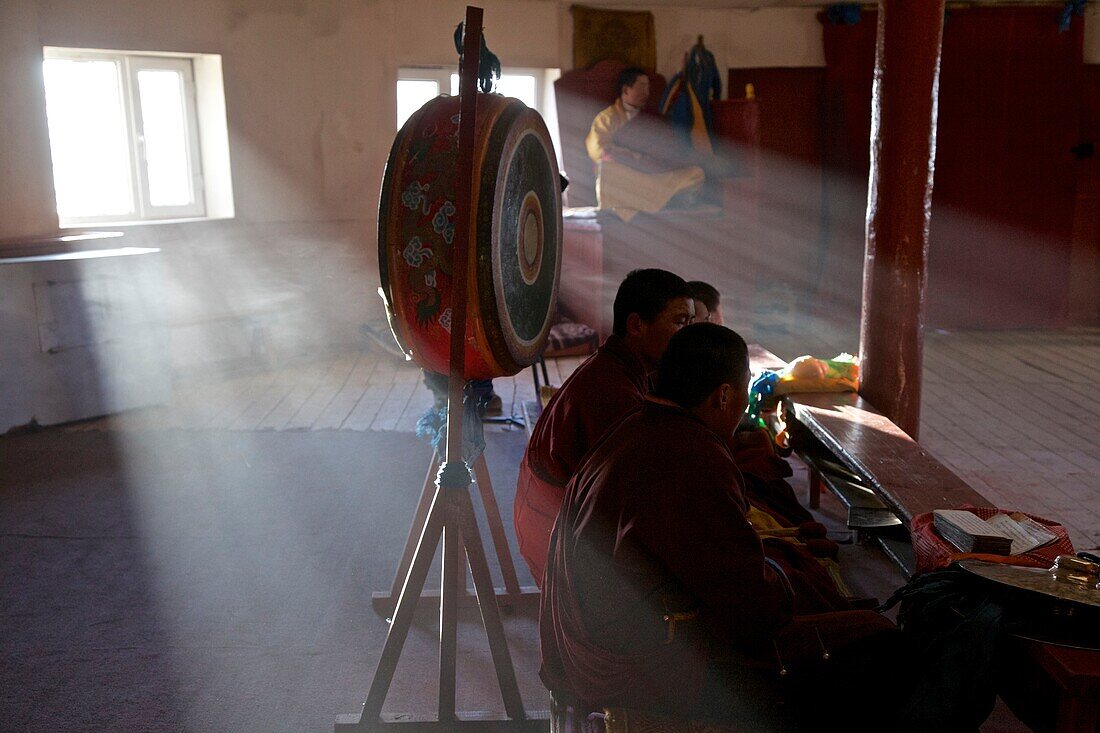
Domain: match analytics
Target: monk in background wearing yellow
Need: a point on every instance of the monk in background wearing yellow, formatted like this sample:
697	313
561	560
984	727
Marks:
631	176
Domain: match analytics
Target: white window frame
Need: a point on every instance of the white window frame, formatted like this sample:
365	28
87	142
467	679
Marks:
545	103
442	76
128	65
439	74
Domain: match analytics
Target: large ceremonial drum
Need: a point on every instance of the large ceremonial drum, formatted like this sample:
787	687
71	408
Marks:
515	236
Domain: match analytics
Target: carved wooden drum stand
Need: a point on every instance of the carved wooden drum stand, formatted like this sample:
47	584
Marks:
469	249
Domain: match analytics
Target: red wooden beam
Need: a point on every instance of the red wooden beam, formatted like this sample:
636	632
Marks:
467	91
899	200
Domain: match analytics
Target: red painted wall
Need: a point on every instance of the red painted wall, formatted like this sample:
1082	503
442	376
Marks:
789	168
1005	187
1009	194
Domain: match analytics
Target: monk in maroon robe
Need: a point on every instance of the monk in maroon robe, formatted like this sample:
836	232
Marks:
765	473
650	306
657	592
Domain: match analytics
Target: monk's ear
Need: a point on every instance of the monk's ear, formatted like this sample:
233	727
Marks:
720	397
634	324
723	396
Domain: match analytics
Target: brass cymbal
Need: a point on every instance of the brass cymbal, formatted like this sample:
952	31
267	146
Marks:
1039	580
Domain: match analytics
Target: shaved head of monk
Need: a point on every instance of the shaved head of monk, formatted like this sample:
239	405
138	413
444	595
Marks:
650	306
708	303
634	86
705	370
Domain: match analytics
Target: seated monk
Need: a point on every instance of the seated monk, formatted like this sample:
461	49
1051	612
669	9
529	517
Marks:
788	532
708	303
649	307
636	172
658	595
765	473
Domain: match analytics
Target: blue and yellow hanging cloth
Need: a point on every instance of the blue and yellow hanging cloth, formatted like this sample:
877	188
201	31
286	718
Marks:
687	98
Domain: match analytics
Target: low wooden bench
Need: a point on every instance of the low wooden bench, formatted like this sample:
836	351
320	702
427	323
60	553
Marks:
845	430
842	435
882	476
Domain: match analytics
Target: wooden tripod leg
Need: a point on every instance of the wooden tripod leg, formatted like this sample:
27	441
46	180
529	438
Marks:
490	611
453	574
496	526
406	607
415	529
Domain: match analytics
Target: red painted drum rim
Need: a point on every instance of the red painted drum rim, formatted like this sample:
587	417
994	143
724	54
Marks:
516	231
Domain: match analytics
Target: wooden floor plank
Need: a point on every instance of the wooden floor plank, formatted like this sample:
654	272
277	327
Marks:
959	366
1008	352
962	427
934	363
1016	414
1044	361
418	404
370	397
1007	442
393	407
344	401
265	401
195	404
301	390
992	363
1078	400
240	398
968	365
217	400
394	397
1084	356
326	390
1038	449
1038	428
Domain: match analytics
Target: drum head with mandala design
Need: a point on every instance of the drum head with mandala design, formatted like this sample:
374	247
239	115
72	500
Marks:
525	225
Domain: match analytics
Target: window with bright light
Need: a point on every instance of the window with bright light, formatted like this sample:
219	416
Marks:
124	133
412	94
533	87
415	86
524	87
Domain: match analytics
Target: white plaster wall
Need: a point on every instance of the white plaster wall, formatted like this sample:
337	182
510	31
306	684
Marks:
81	338
738	37
520	32
309	82
299	78
309	93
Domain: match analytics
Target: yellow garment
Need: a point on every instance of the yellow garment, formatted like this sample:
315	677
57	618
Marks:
626	190
700	136
807	374
768	526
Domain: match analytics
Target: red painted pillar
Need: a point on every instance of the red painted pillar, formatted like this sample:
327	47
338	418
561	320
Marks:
899	201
